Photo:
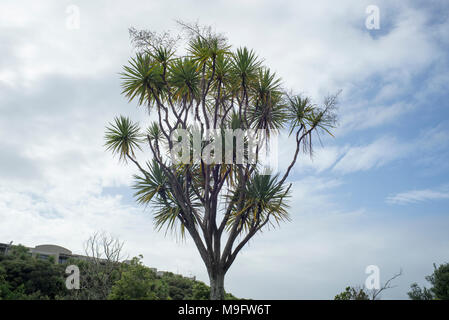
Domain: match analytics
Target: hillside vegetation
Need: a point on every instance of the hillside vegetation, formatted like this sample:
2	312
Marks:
23	277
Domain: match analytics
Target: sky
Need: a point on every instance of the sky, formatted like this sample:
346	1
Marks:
375	194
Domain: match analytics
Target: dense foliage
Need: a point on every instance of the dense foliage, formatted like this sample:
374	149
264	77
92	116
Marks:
140	282
352	293
439	290
23	277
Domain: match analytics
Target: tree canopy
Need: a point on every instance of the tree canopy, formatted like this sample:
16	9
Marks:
215	109
24	277
439	289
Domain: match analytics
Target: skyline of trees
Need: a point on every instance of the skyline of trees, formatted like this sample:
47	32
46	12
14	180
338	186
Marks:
24	277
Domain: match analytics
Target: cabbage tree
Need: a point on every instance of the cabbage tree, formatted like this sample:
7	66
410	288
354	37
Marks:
220	197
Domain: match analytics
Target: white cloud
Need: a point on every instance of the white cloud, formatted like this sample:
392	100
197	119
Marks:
415	196
427	146
376	154
365	116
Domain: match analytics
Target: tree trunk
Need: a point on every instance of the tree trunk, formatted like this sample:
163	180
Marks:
217	285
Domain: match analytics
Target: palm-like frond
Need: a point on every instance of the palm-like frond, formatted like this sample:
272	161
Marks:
142	75
153	183
268	112
123	137
223	68
154	132
265	196
203	49
245	65
162	55
199	50
269	117
302	113
326	117
184	78
266	85
154	188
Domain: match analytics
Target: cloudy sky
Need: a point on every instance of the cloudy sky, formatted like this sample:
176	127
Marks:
376	194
